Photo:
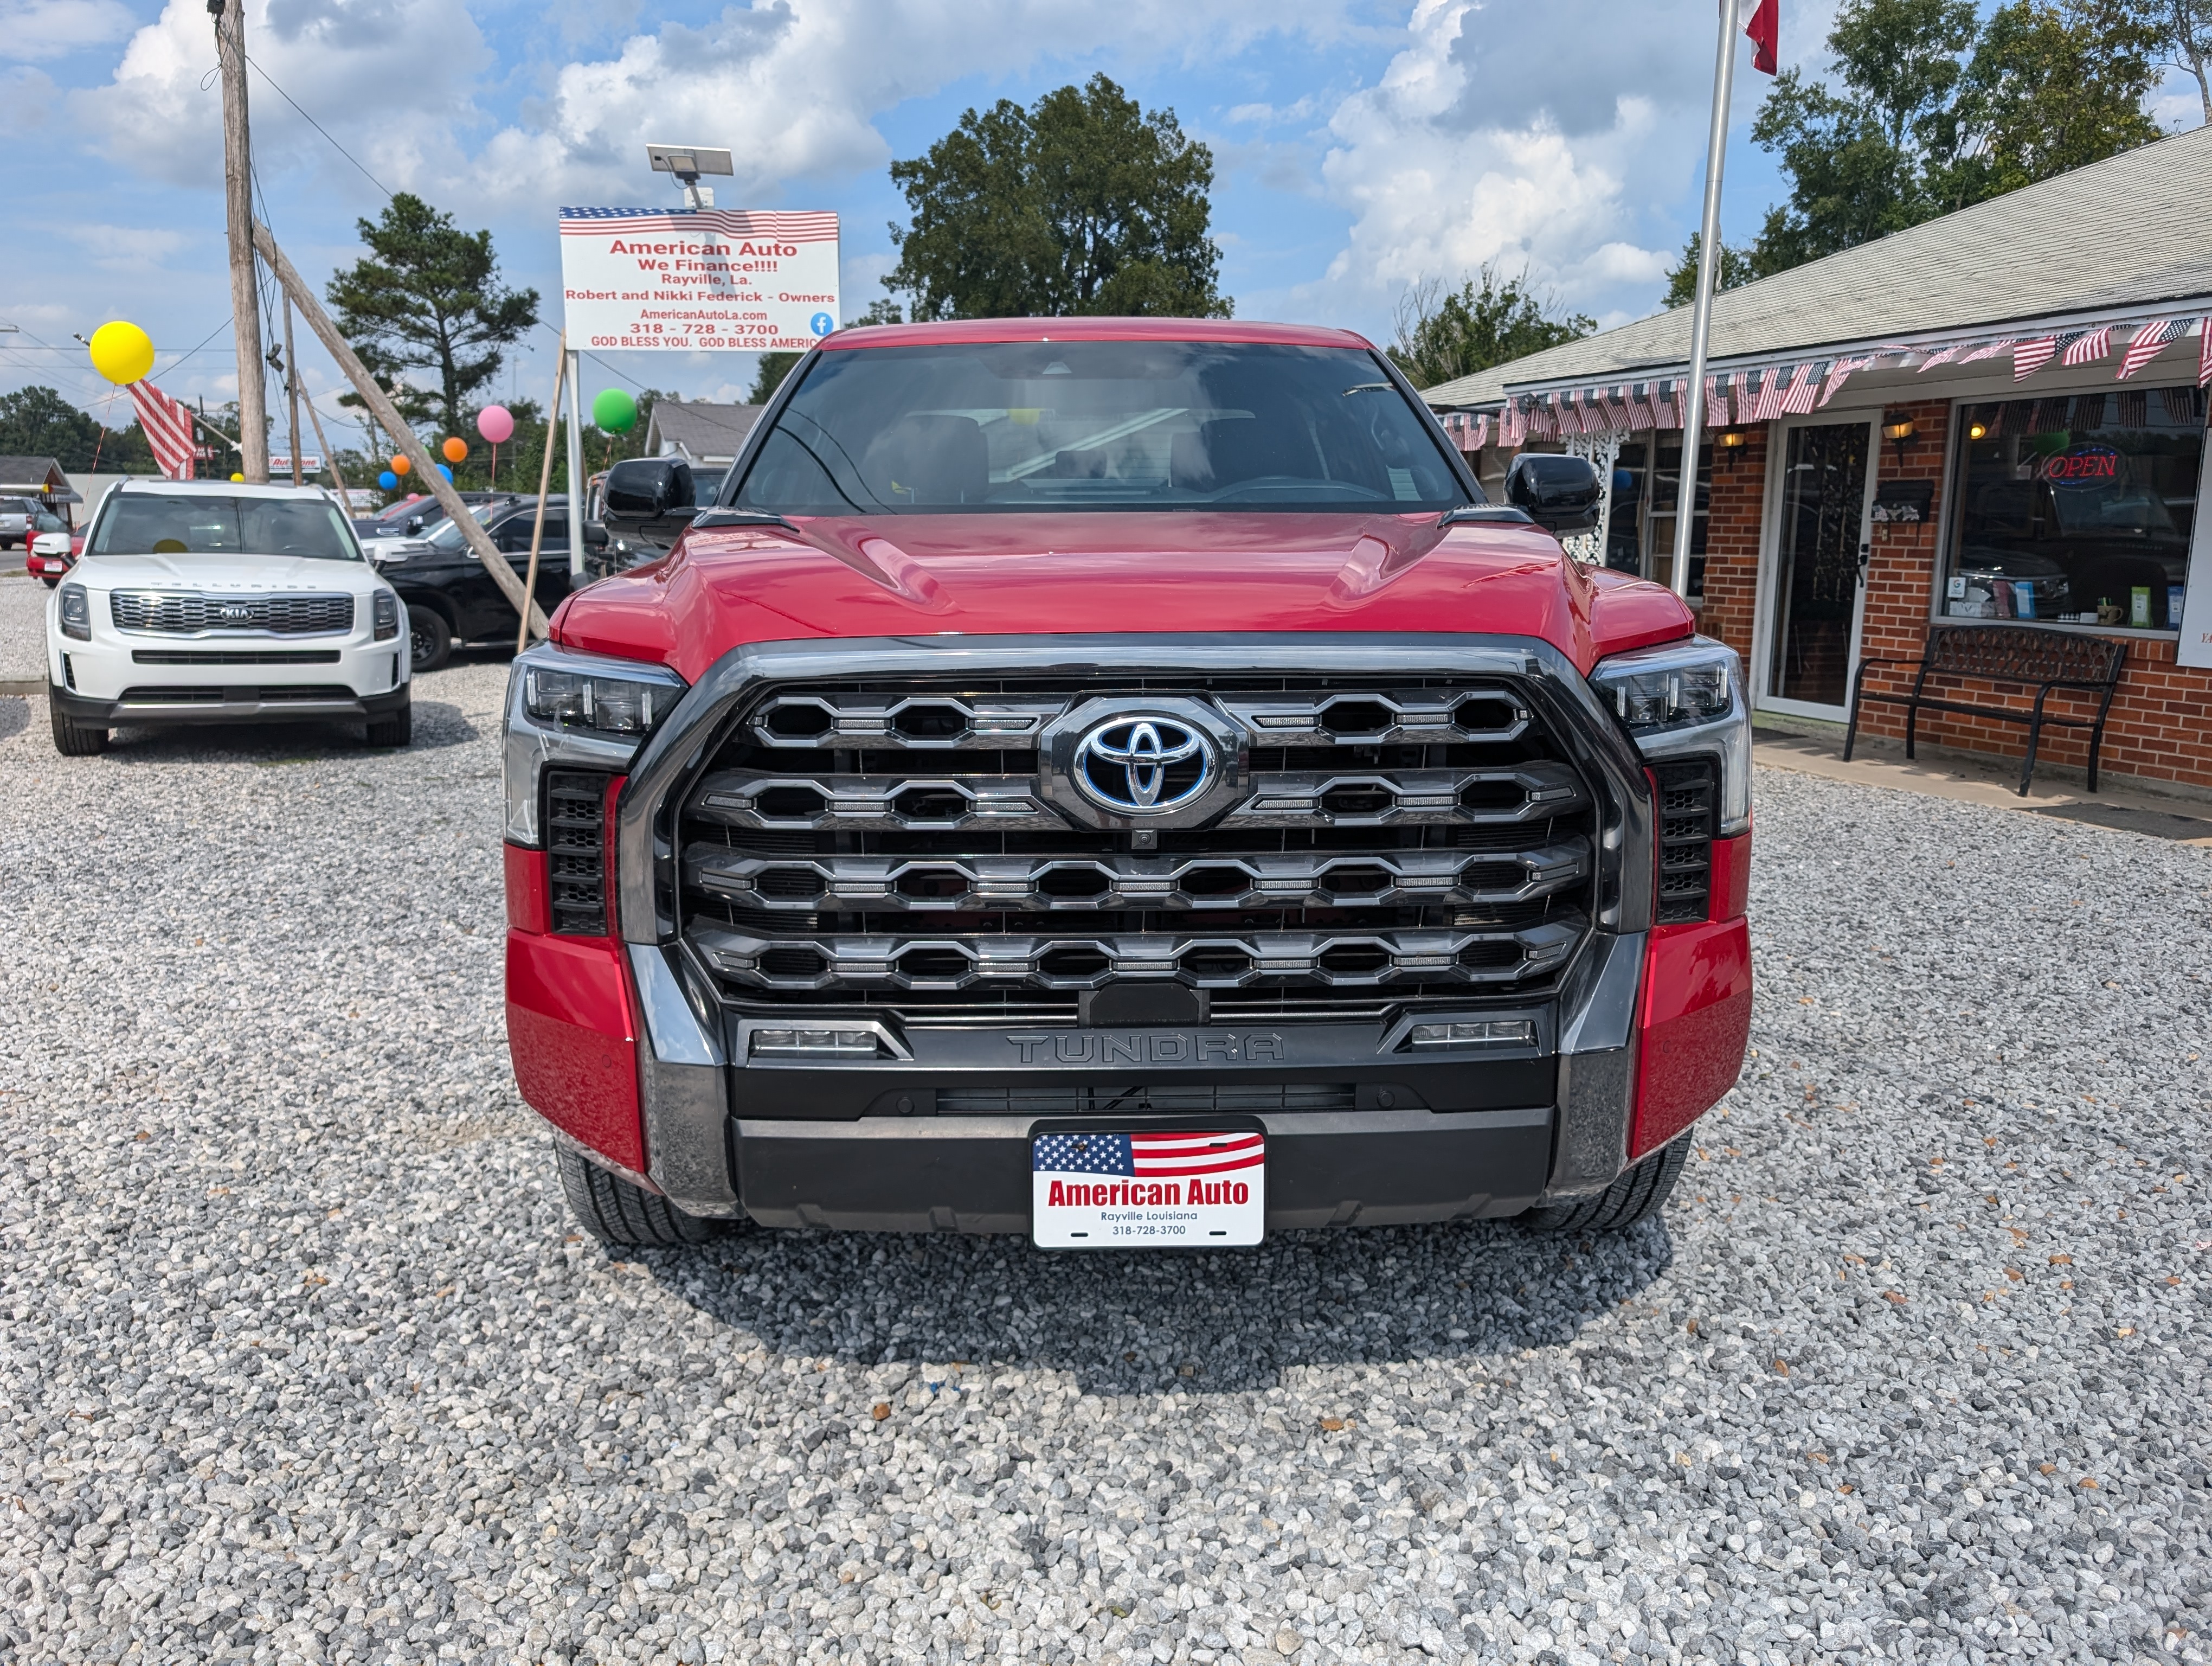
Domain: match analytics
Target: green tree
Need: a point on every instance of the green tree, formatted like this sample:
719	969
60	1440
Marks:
768	373
2177	33
1444	334
2044	93
429	296
1682	277
1081	203
1932	109
38	421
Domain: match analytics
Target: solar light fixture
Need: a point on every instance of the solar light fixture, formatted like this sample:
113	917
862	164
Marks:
687	162
1900	433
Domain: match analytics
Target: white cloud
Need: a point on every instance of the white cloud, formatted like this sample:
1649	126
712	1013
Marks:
1555	138
392	79
54	28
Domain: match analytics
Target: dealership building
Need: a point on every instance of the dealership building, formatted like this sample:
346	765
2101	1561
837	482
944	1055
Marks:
1997	415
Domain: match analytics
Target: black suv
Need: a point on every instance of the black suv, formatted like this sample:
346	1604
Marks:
450	599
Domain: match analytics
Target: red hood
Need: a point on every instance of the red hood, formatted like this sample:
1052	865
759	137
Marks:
1116	574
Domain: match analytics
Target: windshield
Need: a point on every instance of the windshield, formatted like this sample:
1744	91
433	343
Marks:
198	524
1099	425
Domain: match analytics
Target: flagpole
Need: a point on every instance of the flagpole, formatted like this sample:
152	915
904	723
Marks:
1701	312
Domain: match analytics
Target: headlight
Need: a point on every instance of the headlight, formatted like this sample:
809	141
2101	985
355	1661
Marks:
1685	699
384	610
576	710
76	612
595	700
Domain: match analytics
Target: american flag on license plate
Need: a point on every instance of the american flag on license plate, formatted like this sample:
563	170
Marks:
1147	1155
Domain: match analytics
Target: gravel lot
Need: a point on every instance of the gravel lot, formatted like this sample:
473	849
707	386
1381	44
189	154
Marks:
22	629
304	1360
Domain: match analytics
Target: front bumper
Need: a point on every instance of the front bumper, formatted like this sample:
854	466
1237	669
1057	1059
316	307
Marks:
243	703
1361	1131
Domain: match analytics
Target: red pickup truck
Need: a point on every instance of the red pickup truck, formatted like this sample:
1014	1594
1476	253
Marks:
1119	781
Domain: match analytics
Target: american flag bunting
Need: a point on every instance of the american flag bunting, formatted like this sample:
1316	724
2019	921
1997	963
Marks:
2149	342
2030	356
2089	346
1804	388
1942	355
1988	349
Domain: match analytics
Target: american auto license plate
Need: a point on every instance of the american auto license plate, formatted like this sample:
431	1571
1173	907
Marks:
1147	1189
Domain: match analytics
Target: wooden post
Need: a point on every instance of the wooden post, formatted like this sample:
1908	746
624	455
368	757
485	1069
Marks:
292	388
238	220
330	457
387	414
545	482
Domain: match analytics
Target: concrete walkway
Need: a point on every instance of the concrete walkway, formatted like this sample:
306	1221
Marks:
1818	750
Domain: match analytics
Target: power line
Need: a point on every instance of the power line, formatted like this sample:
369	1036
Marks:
319	128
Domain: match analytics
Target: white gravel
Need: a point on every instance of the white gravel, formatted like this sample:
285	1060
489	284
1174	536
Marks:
22	629
304	1360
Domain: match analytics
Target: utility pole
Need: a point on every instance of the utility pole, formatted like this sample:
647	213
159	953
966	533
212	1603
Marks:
292	388
229	17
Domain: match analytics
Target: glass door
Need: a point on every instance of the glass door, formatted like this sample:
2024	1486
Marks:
1817	578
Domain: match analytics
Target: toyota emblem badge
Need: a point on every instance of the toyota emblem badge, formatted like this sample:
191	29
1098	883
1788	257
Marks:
1143	766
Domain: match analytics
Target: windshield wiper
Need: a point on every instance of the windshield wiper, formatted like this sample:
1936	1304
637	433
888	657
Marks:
713	517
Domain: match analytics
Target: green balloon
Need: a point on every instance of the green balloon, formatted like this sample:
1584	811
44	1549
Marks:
614	411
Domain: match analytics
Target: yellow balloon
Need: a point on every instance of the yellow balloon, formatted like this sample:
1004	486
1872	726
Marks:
238	479
122	352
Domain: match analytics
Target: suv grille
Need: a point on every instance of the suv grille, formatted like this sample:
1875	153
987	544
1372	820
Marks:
184	613
854	846
1688	799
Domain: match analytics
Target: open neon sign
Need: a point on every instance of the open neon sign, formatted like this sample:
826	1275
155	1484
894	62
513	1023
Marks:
2083	465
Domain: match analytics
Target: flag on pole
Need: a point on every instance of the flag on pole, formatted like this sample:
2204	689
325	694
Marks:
168	427
1765	32
2089	346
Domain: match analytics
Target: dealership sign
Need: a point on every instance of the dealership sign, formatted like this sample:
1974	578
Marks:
657	278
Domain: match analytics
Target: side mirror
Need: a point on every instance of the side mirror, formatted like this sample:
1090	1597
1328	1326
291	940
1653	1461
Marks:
651	499
647	488
1560	494
50	543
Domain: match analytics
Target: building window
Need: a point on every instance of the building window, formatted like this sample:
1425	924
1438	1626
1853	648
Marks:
2075	509
1659	505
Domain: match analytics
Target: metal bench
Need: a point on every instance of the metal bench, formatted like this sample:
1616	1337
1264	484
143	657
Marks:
2042	660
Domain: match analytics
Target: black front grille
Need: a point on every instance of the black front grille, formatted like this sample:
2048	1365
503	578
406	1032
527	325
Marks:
1689	808
180	656
1079	1101
902	850
184	613
576	850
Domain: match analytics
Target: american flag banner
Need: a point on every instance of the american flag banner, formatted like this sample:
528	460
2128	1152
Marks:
2204	354
2030	356
1841	371
2149	342
1512	425
2184	406
2134	409
1667	404
168	427
1772	390
1640	417
1717	402
1570	414
2089	347
1988	349
1942	355
1478	431
1804	388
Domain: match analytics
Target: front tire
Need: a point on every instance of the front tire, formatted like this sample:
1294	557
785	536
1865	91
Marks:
71	738
1639	1193
430	638
393	728
615	1211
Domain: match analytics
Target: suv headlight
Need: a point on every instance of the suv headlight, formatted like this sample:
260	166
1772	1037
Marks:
582	710
76	612
384	612
1685	699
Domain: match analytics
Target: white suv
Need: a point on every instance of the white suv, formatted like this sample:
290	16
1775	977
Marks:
208	602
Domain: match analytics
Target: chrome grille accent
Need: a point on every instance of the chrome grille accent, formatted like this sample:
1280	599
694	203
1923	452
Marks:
908	850
186	613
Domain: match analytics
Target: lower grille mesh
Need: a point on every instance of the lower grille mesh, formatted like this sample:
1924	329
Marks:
576	850
1689	802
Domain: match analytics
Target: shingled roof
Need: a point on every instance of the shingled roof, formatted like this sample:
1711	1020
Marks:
2115	236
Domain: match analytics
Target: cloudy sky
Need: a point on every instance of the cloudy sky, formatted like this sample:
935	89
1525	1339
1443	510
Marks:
1359	147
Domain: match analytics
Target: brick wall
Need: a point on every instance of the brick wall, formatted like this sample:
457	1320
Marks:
1732	532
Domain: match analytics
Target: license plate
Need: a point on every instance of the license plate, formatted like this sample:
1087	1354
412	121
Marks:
1148	1190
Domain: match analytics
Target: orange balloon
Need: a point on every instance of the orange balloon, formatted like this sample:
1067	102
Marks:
456	449
400	465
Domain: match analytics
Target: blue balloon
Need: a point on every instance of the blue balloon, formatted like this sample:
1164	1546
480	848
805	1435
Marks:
388	481
447	472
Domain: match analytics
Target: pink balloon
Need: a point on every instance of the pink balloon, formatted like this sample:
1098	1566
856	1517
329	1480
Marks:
496	423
